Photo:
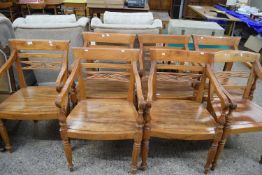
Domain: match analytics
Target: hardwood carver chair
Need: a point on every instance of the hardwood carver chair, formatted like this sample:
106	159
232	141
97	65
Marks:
33	102
108	88
148	41
172	118
246	116
101	118
214	44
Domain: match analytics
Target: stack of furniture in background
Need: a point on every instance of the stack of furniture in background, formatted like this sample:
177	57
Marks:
60	27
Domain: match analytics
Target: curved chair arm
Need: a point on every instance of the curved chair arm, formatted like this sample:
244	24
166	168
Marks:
140	97
61	100
227	103
8	63
61	79
150	94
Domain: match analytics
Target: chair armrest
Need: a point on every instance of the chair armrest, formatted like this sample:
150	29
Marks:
8	63
157	23
61	79
140	97
141	63
83	21
258	69
220	91
95	22
150	84
60	100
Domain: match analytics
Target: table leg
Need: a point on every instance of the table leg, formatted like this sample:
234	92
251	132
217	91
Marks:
233	28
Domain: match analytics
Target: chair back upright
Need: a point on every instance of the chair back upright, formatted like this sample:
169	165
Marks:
148	41
190	74
241	82
93	39
40	55
216	43
112	70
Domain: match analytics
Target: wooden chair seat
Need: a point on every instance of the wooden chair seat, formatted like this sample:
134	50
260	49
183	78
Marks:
89	118
191	120
31	103
106	89
246	117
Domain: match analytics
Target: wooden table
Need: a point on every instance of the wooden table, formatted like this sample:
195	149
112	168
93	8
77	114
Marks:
206	12
100	8
52	4
78	6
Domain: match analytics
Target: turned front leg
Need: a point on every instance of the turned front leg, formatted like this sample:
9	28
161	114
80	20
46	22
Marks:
5	137
213	150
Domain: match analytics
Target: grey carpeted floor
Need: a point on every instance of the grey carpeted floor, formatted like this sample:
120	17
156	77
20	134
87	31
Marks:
38	150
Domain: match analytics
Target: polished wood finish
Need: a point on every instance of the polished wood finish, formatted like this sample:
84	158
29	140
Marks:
107	118
172	118
35	102
108	88
246	115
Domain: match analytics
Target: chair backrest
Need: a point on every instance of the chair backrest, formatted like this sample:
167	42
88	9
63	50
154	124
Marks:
239	83
148	41
48	55
192	73
93	39
214	43
89	68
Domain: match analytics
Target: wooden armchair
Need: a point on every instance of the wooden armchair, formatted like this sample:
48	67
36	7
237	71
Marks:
108	88
107	118
171	118
33	102
214	44
246	116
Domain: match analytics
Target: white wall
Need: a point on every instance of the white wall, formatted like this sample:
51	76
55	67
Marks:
256	3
